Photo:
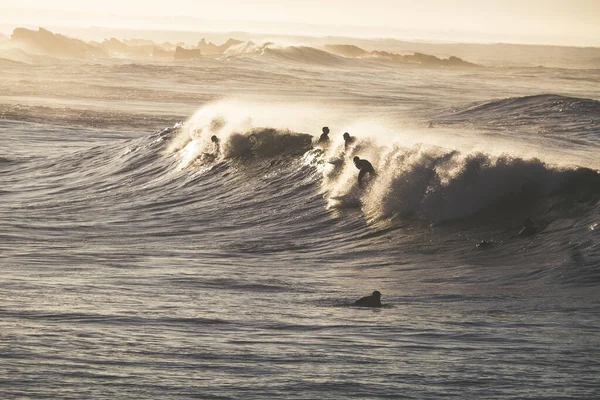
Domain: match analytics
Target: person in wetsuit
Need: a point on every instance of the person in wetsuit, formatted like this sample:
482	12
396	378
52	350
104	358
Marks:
365	167
370	301
324	139
217	144
348	140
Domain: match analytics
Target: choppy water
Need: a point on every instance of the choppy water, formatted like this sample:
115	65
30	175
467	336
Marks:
135	265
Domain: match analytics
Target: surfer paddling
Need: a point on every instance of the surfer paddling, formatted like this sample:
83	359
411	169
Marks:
370	301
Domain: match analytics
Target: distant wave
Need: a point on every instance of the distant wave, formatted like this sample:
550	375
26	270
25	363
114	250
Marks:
570	118
51	45
303	54
294	54
543	105
78	117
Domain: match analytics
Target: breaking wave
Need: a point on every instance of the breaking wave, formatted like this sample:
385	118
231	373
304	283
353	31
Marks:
433	183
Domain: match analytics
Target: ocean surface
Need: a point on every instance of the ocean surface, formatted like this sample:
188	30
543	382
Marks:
137	262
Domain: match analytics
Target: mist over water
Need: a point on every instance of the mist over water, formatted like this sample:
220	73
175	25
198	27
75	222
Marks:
140	262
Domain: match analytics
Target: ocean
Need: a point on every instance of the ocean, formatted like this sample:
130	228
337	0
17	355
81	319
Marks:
139	262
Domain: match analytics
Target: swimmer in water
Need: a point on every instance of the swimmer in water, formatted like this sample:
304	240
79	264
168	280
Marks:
365	167
324	139
348	140
370	301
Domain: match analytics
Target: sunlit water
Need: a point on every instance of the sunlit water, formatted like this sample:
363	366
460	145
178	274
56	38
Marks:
134	265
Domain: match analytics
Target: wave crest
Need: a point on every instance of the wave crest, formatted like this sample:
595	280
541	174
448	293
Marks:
443	185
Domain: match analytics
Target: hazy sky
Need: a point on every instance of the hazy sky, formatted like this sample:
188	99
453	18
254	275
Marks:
574	22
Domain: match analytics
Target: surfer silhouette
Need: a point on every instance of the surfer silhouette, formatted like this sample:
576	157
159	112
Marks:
365	167
370	301
528	228
217	144
348	140
324	139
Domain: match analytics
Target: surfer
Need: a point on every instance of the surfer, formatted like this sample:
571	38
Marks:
217	144
370	301
324	139
528	228
348	140
365	167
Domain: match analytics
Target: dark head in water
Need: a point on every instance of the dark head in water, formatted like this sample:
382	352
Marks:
373	300
324	136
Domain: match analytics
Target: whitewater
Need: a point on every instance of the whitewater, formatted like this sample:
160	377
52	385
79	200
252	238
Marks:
139	263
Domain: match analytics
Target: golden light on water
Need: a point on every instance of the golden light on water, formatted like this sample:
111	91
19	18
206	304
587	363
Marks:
549	22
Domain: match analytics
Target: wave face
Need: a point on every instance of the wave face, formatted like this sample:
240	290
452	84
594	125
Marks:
440	185
432	189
